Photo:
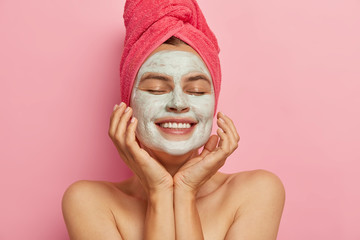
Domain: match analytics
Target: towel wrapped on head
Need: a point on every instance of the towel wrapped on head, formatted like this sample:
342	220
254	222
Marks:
149	23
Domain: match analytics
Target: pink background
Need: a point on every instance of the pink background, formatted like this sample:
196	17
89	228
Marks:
291	72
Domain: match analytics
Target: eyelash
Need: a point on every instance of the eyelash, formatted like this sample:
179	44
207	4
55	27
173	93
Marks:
189	92
155	91
197	93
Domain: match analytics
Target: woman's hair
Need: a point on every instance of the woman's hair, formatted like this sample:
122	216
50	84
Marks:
174	41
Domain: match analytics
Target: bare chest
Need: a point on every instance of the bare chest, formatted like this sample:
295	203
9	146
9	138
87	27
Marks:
215	212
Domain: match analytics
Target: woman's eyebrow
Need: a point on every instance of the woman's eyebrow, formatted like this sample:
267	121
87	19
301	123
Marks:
155	76
198	77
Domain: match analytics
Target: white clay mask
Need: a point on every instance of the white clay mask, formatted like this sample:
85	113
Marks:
174	120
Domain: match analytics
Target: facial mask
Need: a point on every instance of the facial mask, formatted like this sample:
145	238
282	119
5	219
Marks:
149	108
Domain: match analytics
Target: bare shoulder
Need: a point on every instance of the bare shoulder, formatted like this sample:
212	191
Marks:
258	184
86	207
256	180
259	196
88	187
85	193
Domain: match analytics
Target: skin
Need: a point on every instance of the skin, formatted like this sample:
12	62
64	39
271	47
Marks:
163	84
175	196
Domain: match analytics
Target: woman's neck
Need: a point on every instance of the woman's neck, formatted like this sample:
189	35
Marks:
171	163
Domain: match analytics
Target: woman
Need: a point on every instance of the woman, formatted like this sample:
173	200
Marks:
177	191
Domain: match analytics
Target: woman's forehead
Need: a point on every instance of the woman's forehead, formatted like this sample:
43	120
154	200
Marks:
174	62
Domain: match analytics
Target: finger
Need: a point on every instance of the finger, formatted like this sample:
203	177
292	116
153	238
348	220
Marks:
210	145
216	159
233	142
227	122
131	142
231	124
121	128
115	118
226	128
224	140
213	161
131	146
124	120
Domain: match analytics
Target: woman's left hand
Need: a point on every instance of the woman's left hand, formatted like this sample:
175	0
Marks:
198	170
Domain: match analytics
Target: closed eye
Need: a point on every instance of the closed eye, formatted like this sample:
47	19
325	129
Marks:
156	92
196	93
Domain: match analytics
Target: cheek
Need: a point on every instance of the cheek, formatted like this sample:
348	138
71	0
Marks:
203	106
147	106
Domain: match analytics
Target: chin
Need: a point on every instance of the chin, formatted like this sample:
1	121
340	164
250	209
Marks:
177	152
176	148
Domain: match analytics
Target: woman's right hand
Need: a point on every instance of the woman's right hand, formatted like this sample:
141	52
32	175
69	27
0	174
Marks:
153	176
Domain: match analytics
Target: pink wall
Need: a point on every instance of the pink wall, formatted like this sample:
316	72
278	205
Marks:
291	72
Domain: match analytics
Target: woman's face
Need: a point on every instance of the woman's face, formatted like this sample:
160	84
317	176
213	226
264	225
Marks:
173	100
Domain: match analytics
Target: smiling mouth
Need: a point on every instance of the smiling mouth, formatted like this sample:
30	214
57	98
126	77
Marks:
176	129
175	125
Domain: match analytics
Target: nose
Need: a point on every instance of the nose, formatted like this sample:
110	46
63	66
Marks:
178	102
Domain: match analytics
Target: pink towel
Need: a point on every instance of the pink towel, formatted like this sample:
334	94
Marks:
149	23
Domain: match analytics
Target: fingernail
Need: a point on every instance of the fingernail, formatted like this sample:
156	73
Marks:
115	107
132	119
222	120
122	103
127	109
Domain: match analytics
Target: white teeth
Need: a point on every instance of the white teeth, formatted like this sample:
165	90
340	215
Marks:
175	125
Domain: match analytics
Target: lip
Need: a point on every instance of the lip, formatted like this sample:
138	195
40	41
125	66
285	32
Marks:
176	134
176	120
